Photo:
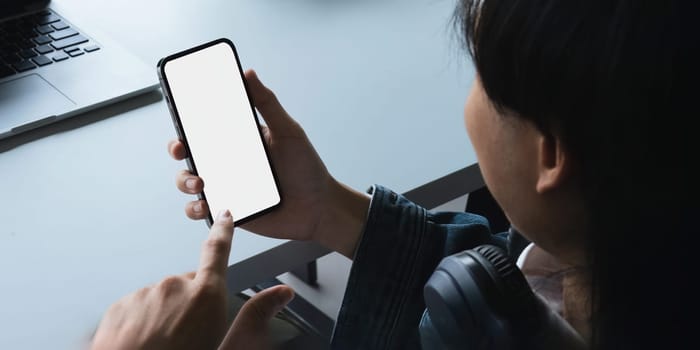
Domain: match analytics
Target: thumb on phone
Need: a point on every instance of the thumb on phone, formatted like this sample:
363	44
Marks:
250	328
276	118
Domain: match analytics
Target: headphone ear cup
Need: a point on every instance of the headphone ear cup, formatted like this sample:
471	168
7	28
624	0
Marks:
513	296
463	299
479	299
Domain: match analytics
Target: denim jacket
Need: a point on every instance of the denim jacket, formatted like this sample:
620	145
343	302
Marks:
401	246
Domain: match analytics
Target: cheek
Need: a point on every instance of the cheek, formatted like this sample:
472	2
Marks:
483	135
493	166
493	144
472	116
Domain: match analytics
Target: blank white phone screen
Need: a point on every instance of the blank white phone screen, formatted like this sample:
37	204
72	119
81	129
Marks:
207	90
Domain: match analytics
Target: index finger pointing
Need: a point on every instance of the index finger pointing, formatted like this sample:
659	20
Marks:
216	249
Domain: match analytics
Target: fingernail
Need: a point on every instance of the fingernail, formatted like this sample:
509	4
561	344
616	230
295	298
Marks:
197	207
223	215
189	183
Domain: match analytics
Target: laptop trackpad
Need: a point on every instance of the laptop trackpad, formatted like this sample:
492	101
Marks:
29	99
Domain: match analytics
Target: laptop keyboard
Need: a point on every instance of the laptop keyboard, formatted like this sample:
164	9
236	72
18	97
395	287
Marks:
37	40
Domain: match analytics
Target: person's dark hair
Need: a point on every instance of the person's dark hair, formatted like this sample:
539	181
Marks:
616	81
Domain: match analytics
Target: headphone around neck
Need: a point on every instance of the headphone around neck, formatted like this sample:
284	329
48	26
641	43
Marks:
479	299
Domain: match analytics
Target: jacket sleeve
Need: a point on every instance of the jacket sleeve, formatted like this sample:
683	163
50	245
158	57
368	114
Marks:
401	246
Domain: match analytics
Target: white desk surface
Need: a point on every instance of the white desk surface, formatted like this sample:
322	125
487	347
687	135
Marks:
89	210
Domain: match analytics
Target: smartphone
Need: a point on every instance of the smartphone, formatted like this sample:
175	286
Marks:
214	117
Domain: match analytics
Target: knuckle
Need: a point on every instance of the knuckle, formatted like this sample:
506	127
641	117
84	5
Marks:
269	94
115	309
208	291
257	312
170	286
217	246
141	293
268	97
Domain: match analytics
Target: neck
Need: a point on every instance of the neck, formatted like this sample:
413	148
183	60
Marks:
576	300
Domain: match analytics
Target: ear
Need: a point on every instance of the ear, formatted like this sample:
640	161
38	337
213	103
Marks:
553	164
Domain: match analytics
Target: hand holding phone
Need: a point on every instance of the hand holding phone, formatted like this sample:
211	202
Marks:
215	119
315	207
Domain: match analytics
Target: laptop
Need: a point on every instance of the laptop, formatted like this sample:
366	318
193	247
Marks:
52	67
